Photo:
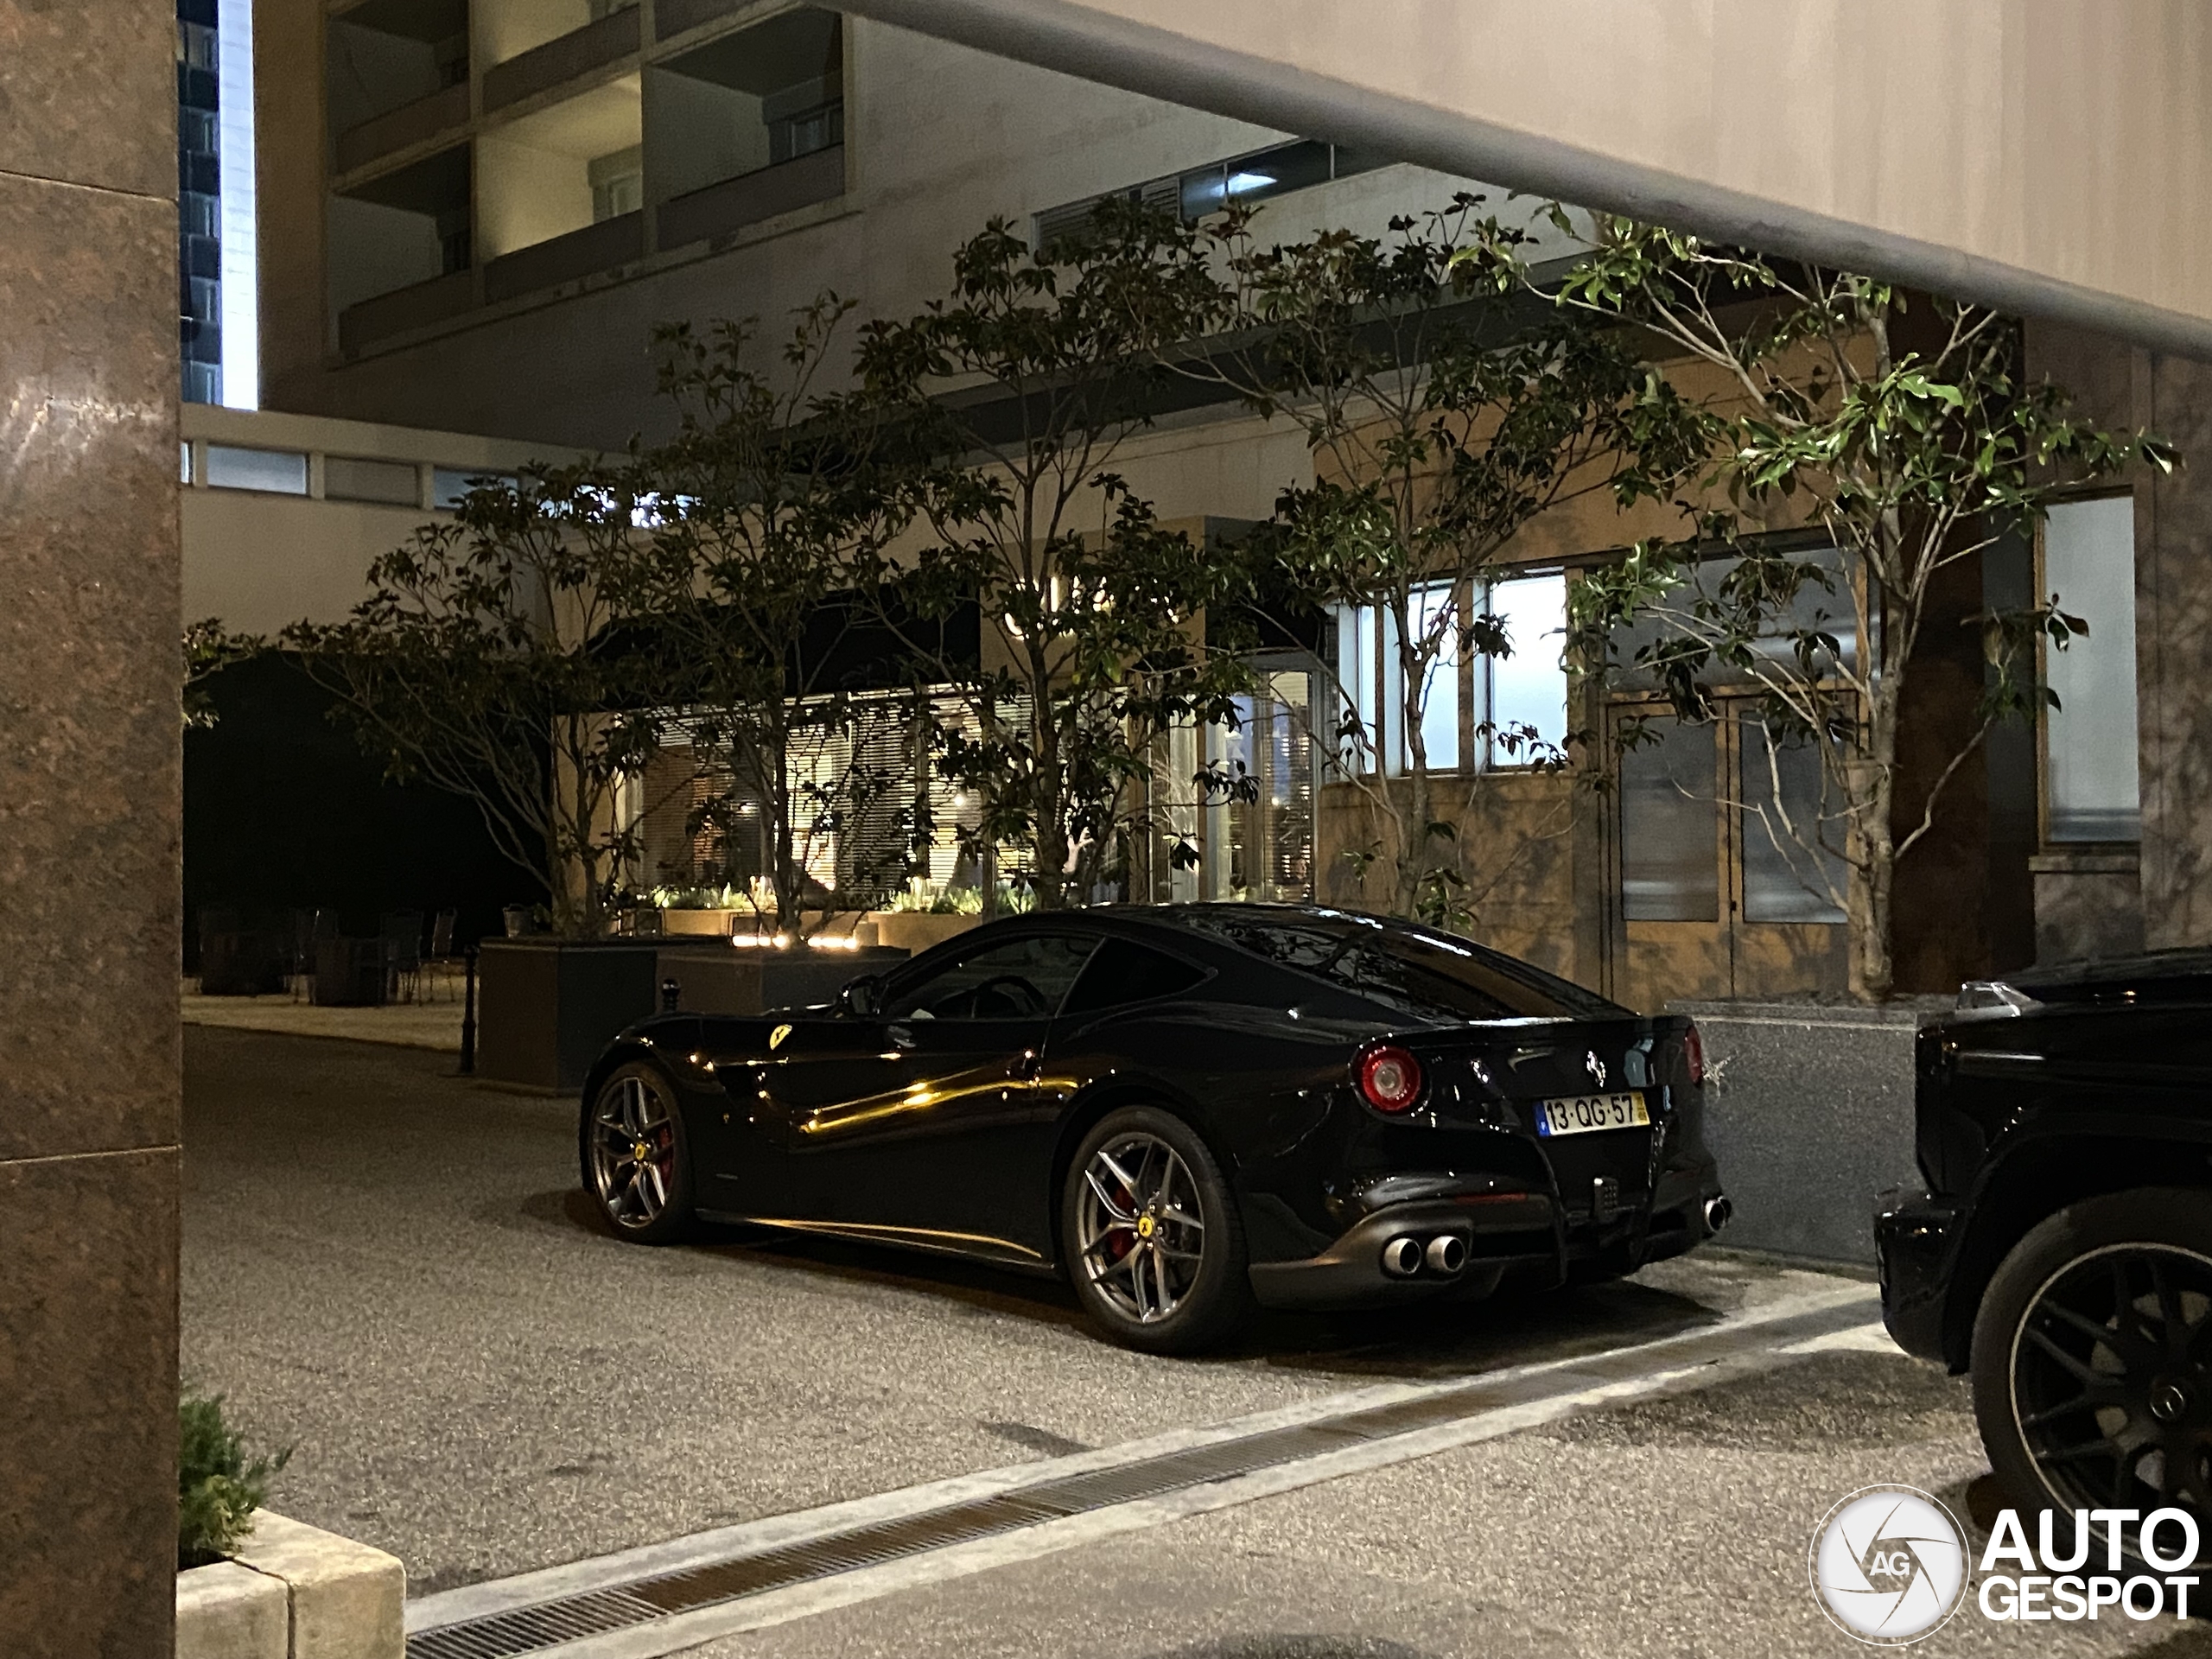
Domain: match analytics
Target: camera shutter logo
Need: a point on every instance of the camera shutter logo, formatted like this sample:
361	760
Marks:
1889	1565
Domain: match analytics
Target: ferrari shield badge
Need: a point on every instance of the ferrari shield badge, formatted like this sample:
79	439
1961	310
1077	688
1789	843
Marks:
776	1037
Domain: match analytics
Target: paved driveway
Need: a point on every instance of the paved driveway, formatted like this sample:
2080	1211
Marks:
389	1269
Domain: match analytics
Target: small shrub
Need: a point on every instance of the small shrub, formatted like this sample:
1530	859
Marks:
217	1488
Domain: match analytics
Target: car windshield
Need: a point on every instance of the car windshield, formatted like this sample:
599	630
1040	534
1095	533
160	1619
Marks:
1411	969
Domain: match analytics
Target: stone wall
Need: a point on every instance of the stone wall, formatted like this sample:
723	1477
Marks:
2173	632
1809	1115
90	1053
1529	845
2088	911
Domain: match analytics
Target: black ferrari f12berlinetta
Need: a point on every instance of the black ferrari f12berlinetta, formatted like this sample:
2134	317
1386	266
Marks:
1186	1110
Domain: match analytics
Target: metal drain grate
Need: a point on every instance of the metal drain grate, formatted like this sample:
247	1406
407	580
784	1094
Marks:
568	1618
527	1629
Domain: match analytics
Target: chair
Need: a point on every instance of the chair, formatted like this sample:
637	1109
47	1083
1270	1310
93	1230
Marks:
402	953
309	929
441	958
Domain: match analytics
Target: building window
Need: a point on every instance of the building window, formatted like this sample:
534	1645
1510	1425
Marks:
1240	181
2088	562
282	471
618	183
449	485
1505	711
394	483
1523	695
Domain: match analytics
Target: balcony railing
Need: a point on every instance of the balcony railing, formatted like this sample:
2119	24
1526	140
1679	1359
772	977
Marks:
404	308
396	129
672	17
563	58
752	197
564	259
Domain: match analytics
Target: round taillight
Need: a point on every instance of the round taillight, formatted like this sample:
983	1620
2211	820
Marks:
1694	1052
1389	1079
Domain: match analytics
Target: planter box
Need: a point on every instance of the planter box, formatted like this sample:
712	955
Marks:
349	972
702	923
229	1611
724	979
242	963
294	1591
1808	1110
916	930
547	1007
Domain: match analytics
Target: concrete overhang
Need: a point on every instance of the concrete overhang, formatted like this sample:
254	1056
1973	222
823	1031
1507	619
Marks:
2050	157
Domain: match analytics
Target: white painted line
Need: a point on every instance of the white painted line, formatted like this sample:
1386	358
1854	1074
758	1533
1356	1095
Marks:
749	1538
1783	1022
681	1630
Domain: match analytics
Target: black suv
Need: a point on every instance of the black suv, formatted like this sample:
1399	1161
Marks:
2062	1253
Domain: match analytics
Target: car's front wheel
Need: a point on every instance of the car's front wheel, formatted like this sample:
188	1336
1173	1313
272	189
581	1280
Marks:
2092	1358
637	1160
1153	1242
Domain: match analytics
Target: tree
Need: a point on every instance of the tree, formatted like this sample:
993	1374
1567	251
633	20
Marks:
1442	419
773	509
1022	385
1900	429
208	650
491	659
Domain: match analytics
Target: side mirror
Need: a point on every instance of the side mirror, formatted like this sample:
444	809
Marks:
861	997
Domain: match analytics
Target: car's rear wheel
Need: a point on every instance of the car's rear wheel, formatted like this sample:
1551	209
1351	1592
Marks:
1155	1244
2092	1358
637	1160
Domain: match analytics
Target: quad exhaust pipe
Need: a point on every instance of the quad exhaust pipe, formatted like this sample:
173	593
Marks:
1716	1212
1405	1256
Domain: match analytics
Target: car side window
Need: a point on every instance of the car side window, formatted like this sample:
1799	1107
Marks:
1119	972
1023	979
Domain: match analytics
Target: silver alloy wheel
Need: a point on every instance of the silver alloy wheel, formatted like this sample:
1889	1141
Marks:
634	1151
1142	1239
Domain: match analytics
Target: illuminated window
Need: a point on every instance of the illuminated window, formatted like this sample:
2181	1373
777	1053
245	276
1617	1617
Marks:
2088	558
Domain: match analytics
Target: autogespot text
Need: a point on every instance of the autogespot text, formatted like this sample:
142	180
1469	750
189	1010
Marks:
2050	1585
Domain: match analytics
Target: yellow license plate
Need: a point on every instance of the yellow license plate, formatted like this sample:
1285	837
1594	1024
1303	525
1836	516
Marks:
1587	1113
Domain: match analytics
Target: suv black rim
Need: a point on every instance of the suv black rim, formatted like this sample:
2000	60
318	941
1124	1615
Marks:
2111	1384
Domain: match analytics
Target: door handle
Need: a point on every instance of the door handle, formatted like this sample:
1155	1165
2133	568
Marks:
901	1038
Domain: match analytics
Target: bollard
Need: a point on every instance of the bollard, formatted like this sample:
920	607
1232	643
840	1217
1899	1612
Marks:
468	1019
672	993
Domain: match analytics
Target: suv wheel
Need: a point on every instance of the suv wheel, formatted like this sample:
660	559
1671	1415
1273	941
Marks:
2092	1358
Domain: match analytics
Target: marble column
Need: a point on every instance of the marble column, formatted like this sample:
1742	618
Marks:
2173	632
89	1045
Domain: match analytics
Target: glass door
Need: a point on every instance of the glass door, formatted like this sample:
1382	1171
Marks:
1730	878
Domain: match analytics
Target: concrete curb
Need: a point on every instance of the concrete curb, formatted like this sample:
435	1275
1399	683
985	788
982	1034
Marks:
294	1591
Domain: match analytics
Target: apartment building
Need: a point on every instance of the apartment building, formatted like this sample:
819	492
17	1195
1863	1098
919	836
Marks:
487	205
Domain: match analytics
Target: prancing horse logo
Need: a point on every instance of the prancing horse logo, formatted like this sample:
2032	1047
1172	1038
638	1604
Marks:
1595	1067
